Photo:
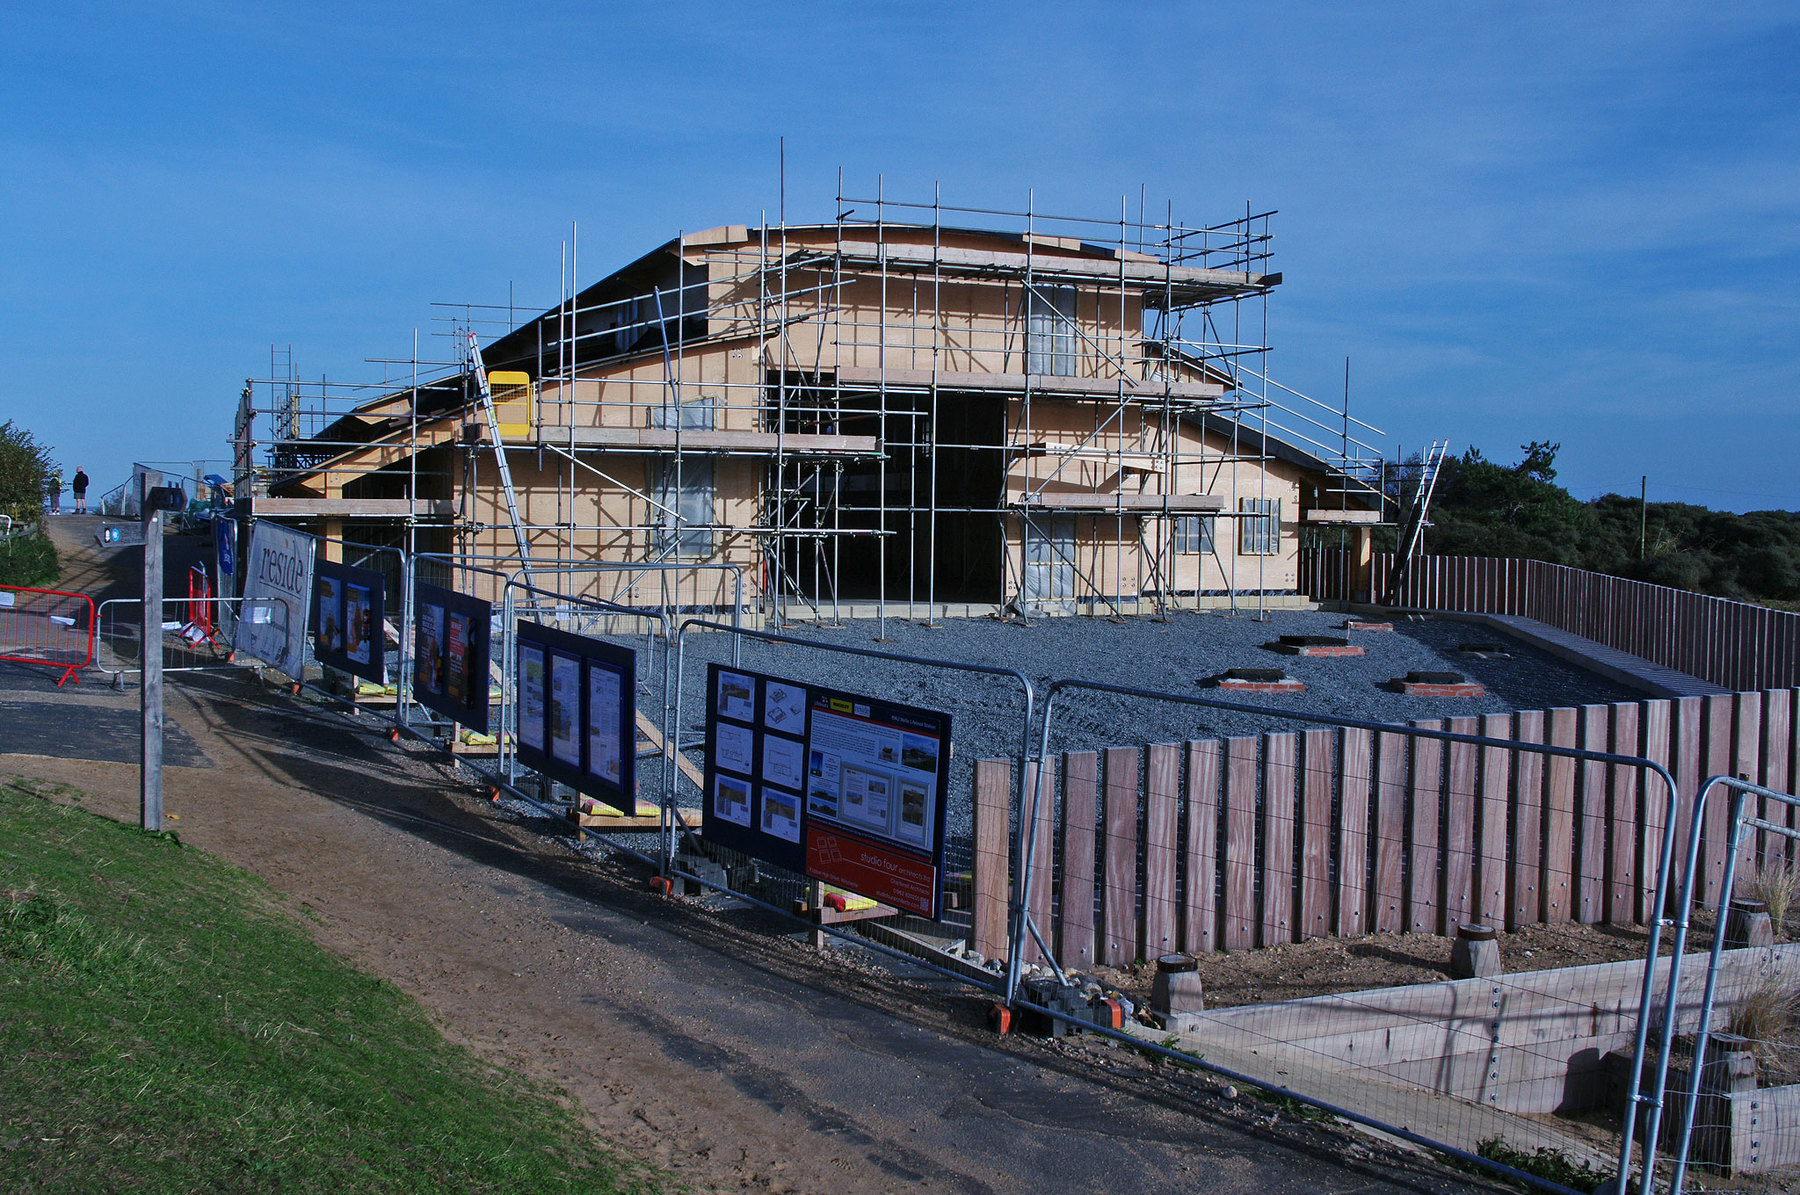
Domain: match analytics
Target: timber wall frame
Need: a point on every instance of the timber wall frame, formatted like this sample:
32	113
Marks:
824	366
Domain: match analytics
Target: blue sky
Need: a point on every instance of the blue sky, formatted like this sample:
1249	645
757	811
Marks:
1578	223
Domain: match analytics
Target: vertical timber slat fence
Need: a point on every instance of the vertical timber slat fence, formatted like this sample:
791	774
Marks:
1255	841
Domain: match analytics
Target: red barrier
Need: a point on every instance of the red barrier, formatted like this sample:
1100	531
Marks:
48	627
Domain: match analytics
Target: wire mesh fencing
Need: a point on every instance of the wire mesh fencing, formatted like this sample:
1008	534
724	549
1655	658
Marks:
1729	1027
1447	928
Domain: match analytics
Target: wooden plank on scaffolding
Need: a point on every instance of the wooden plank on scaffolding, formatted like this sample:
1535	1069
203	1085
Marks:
1240	843
1559	820
1279	752
1313	920
1200	902
1081	778
1527	893
1590	818
993	801
1388	891
1356	759
1119	919
1162	804
1459	825
1424	889
654	736
1626	818
1041	881
1654	721
1495	827
1717	745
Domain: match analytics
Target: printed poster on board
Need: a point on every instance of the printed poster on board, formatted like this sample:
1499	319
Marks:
839	787
278	592
578	712
450	654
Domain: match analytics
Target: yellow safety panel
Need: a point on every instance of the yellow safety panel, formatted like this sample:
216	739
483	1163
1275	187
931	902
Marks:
513	403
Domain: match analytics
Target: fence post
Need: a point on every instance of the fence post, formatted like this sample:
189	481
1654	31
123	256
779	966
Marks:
992	883
150	696
1119	921
1076	904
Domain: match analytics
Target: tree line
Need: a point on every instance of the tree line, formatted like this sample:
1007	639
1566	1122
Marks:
1483	508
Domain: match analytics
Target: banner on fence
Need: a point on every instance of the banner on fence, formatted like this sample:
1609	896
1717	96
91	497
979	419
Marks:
450	654
845	789
277	597
578	713
349	616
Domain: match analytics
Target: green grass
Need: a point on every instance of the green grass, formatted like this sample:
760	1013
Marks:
165	1025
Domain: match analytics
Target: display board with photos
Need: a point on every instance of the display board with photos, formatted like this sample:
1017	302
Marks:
348	619
450	654
577	702
846	789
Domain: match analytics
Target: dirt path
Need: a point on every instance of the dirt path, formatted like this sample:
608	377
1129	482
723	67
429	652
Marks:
701	1038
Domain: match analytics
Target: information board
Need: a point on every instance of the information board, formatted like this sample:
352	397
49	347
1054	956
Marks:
348	614
845	789
277	597
578	712
450	654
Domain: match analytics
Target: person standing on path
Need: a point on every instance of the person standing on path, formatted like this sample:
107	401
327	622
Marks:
55	488
79	484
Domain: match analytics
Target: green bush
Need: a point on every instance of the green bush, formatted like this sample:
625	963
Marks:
29	561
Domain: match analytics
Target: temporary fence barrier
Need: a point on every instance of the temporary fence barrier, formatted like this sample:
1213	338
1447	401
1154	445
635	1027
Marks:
50	627
883	675
1732	1094
1354	828
119	649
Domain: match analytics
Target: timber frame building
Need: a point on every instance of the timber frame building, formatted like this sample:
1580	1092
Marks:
1043	415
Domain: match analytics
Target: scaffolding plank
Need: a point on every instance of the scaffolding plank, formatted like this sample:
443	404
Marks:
657	439
1122	501
1049	385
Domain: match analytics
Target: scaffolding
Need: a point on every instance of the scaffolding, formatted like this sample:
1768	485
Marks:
911	409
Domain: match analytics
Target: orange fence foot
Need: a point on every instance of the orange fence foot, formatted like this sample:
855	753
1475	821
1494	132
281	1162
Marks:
661	886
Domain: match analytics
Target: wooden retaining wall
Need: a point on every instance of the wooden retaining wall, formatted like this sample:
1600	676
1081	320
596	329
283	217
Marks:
1231	844
1734	644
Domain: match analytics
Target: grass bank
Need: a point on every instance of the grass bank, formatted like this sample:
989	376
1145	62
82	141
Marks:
167	1026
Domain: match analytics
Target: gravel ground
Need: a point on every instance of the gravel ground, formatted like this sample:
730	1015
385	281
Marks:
1178	656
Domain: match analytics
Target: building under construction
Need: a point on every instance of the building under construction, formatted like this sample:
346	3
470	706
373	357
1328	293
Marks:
917	409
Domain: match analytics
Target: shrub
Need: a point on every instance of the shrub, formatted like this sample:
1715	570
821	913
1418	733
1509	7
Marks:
29	561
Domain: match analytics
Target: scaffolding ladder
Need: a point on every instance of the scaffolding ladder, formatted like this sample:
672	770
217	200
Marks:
1412	528
479	369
